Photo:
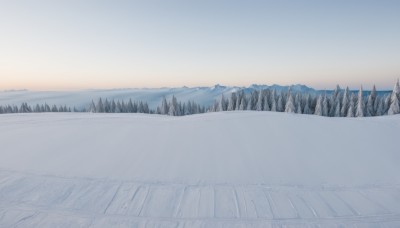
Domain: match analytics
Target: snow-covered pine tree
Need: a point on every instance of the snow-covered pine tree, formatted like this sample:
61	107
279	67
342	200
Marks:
239	97
396	88
243	103
273	101
54	108
307	109
249	103
336	92
221	104
386	103
370	109
360	104
253	100
337	109
350	112
135	107
325	107
260	101
279	104
173	107
129	107
107	106
118	108
37	108
290	108
232	102
100	106
345	102
319	106
140	107
146	108
298	104
113	106
379	107
266	97
47	108
164	106
188	108
123	107
394	107
335	98
22	108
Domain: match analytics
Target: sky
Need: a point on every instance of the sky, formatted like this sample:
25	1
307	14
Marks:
75	44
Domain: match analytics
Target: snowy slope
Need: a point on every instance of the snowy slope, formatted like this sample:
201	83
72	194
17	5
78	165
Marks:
231	169
201	95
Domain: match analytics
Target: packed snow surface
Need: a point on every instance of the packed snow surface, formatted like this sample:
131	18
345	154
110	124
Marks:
228	169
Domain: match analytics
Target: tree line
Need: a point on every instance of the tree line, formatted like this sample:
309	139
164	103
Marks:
340	103
172	107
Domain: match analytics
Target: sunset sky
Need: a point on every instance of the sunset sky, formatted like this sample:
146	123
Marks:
75	44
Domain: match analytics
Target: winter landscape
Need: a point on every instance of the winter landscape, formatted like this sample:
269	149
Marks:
199	114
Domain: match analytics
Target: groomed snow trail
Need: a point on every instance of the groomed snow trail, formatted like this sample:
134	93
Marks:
234	169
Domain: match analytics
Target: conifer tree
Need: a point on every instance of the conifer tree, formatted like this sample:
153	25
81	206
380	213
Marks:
345	102
279	104
232	102
394	100
319	106
221	104
325	107
307	109
266	106
100	106
273	101
164	106
259	105
370	109
350	112
379	108
290	108
360	104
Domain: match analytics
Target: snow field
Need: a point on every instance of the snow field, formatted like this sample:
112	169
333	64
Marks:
231	169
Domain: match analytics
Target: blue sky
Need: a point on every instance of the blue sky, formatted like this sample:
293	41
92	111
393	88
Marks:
109	44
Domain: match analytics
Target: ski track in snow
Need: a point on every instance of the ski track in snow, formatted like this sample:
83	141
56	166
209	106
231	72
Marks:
34	193
31	200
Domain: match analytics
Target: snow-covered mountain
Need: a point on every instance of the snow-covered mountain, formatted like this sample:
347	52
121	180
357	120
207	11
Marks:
82	98
227	169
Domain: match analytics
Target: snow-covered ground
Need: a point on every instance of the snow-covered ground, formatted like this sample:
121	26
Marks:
229	169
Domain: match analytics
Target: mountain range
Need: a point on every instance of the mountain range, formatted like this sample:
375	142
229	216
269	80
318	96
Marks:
82	98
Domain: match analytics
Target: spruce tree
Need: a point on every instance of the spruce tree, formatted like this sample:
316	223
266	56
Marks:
325	107
319	106
290	108
360	104
350	111
259	105
100	106
345	102
232	102
394	107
